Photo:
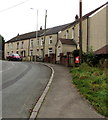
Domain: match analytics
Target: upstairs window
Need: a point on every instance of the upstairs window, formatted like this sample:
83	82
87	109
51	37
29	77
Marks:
22	45
37	42
42	41
37	50
31	43
17	45
8	45
73	33
50	40
78	31
67	34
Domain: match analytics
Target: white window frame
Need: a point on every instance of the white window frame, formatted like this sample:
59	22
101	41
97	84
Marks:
11	45
37	50
22	44
59	50
31	52
17	52
8	46
37	42
17	45
73	33
67	34
50	51
41	52
42	41
31	45
50	40
78	30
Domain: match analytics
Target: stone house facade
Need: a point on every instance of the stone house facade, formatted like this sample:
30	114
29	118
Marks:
94	35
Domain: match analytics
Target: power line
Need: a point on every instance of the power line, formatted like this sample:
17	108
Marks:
13	6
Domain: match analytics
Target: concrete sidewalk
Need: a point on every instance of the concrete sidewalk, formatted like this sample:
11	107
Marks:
63	99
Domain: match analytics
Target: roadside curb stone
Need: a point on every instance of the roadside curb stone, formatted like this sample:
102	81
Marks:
41	99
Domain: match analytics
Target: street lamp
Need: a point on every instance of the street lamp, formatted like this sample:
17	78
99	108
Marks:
36	23
36	29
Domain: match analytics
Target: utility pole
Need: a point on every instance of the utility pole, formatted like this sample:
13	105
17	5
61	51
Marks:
36	32
80	30
44	35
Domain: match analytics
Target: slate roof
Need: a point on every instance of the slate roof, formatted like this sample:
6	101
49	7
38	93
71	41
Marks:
67	41
103	50
86	15
50	31
55	30
26	36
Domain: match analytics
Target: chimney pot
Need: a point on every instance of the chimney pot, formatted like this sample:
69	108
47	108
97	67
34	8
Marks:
76	17
41	28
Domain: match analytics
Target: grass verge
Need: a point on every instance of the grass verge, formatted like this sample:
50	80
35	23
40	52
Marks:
93	84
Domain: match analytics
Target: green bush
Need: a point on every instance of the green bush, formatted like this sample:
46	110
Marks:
90	58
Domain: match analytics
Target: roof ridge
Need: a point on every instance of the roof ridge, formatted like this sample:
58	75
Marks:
67	25
86	15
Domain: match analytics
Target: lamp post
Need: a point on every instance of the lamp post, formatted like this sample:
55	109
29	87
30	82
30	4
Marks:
80	29
36	29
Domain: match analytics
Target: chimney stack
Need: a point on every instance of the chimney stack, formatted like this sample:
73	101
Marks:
76	17
41	28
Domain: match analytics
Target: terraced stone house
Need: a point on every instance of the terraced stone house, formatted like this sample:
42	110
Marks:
64	38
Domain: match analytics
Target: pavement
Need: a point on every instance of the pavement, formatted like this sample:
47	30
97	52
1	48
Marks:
63	99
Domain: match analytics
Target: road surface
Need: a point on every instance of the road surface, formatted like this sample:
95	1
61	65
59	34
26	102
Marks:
22	85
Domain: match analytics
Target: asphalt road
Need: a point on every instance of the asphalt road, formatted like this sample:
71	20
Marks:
22	85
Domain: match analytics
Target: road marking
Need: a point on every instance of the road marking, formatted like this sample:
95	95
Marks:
8	68
41	99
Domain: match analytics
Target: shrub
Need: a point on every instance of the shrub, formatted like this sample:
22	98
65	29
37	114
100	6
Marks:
90	58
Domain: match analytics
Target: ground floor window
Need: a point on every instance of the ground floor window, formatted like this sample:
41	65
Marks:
23	53
17	52
50	51
59	51
31	52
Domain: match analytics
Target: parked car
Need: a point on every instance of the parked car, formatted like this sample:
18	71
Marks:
14	56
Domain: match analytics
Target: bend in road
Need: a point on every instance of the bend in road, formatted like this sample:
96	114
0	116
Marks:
23	84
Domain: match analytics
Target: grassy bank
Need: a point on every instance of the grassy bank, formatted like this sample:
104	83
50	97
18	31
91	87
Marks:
93	84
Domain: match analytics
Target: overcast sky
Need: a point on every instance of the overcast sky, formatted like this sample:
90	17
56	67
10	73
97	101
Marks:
17	17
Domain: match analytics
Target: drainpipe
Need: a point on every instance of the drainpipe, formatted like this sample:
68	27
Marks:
29	48
56	47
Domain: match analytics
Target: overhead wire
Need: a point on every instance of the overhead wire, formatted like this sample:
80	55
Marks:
13	6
